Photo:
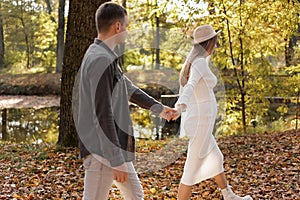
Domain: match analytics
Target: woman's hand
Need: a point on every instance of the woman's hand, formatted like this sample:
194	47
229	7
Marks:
179	109
167	113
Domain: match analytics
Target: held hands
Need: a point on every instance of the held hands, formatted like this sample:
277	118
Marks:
176	114
170	113
179	108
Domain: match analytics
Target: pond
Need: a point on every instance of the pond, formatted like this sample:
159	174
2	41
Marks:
33	119
40	125
30	125
29	119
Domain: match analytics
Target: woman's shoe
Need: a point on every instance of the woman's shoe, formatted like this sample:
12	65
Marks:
228	194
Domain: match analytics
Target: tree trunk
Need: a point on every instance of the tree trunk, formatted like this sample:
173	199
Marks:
4	126
291	43
1	41
240	78
49	9
60	36
26	36
81	31
242	86
121	48
157	40
289	49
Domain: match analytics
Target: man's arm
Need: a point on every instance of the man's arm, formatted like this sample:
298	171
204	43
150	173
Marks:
142	99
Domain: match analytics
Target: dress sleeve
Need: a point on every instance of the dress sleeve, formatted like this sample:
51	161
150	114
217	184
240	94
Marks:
198	69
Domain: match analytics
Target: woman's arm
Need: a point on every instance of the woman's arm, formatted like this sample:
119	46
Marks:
197	71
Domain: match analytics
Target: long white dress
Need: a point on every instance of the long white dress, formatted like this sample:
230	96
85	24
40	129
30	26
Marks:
204	158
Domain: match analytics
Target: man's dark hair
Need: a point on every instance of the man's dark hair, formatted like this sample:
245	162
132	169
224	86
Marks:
107	14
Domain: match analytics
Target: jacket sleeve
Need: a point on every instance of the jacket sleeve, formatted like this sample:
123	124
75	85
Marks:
142	99
101	83
198	69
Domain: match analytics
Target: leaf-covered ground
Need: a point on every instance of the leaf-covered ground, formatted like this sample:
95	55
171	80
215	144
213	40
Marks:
30	84
266	166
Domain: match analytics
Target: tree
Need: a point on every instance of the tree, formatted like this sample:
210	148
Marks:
60	36
1	41
29	35
253	35
292	40
81	31
49	9
252	42
23	12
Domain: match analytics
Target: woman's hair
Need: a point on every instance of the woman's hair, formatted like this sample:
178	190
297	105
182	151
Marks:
202	49
107	14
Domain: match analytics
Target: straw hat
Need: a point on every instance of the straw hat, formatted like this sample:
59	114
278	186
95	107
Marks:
203	33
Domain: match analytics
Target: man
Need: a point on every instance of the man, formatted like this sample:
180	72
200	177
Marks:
104	125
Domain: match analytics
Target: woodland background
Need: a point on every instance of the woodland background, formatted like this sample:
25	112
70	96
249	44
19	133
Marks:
257	59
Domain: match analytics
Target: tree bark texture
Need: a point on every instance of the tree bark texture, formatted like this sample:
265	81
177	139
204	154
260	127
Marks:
81	31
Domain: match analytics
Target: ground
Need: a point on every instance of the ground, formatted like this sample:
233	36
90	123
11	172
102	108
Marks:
267	166
30	84
44	84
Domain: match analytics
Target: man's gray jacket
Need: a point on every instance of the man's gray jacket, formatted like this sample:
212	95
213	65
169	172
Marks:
103	123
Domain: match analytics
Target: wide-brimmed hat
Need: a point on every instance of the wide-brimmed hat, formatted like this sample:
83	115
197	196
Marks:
203	33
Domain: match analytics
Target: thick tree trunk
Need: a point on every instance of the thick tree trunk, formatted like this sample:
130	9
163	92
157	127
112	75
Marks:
1	41
60	36
81	31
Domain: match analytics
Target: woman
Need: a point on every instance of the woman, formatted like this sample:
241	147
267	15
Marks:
197	101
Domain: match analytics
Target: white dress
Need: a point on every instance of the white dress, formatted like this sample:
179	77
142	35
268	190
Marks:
204	158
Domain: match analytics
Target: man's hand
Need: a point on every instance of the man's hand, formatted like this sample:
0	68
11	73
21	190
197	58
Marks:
176	114
167	113
120	173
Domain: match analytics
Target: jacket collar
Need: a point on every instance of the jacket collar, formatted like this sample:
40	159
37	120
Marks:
99	42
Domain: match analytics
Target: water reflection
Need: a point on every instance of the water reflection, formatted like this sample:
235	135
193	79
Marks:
31	125
148	126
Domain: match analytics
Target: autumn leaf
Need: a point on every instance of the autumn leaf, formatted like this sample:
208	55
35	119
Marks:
266	166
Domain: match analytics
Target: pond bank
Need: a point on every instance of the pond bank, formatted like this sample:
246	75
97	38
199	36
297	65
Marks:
21	101
40	84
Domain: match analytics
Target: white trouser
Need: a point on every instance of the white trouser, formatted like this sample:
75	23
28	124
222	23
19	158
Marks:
99	179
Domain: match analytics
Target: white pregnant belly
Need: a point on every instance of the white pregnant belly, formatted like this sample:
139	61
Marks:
198	118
